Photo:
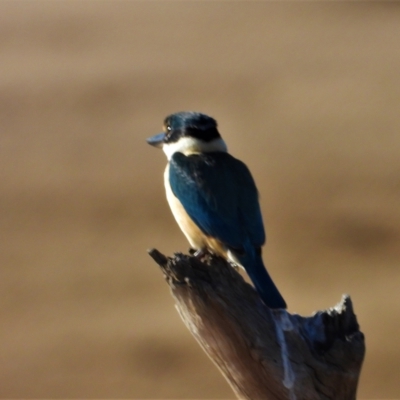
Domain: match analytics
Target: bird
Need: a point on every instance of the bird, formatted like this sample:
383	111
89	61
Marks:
214	198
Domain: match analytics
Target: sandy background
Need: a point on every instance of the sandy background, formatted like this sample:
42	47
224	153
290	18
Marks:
306	94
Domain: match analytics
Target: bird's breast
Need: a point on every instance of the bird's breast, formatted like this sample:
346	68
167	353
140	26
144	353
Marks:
197	239
188	227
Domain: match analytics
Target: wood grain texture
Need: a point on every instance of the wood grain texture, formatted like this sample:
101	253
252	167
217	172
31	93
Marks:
264	354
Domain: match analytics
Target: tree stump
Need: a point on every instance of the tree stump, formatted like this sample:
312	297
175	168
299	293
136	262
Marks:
264	353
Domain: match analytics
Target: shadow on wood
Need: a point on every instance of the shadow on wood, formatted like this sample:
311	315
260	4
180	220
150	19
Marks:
265	354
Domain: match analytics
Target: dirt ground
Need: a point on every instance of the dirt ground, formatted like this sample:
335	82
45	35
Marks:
307	94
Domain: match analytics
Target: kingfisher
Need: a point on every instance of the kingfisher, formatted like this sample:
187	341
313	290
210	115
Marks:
213	197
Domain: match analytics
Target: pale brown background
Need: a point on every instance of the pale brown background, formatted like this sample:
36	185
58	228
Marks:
307	94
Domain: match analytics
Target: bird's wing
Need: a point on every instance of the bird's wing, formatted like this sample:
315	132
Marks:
219	194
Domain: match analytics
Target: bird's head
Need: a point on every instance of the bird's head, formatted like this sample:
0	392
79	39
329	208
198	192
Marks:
188	133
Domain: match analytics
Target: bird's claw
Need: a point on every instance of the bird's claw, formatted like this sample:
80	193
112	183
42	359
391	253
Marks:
200	254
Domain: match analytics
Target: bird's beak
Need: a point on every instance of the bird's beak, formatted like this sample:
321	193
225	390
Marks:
156	140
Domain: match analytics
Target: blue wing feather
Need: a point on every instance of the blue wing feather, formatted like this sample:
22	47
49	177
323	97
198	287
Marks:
219	194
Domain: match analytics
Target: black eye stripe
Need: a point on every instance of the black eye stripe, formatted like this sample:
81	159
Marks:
189	124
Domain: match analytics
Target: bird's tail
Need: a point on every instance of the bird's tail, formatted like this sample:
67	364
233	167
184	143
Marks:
264	284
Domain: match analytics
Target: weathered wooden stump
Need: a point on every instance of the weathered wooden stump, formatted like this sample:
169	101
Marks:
265	354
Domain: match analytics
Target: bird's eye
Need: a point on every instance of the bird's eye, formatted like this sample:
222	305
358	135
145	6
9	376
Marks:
169	128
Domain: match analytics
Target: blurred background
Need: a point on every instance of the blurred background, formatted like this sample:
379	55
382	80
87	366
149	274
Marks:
307	94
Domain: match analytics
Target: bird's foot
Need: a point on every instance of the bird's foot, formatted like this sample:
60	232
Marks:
200	254
235	266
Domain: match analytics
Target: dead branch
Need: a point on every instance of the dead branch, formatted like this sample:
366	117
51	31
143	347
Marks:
265	354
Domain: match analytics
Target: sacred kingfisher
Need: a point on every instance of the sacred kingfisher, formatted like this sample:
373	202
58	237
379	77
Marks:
213	197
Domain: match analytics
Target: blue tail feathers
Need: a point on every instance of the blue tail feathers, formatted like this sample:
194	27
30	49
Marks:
263	283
